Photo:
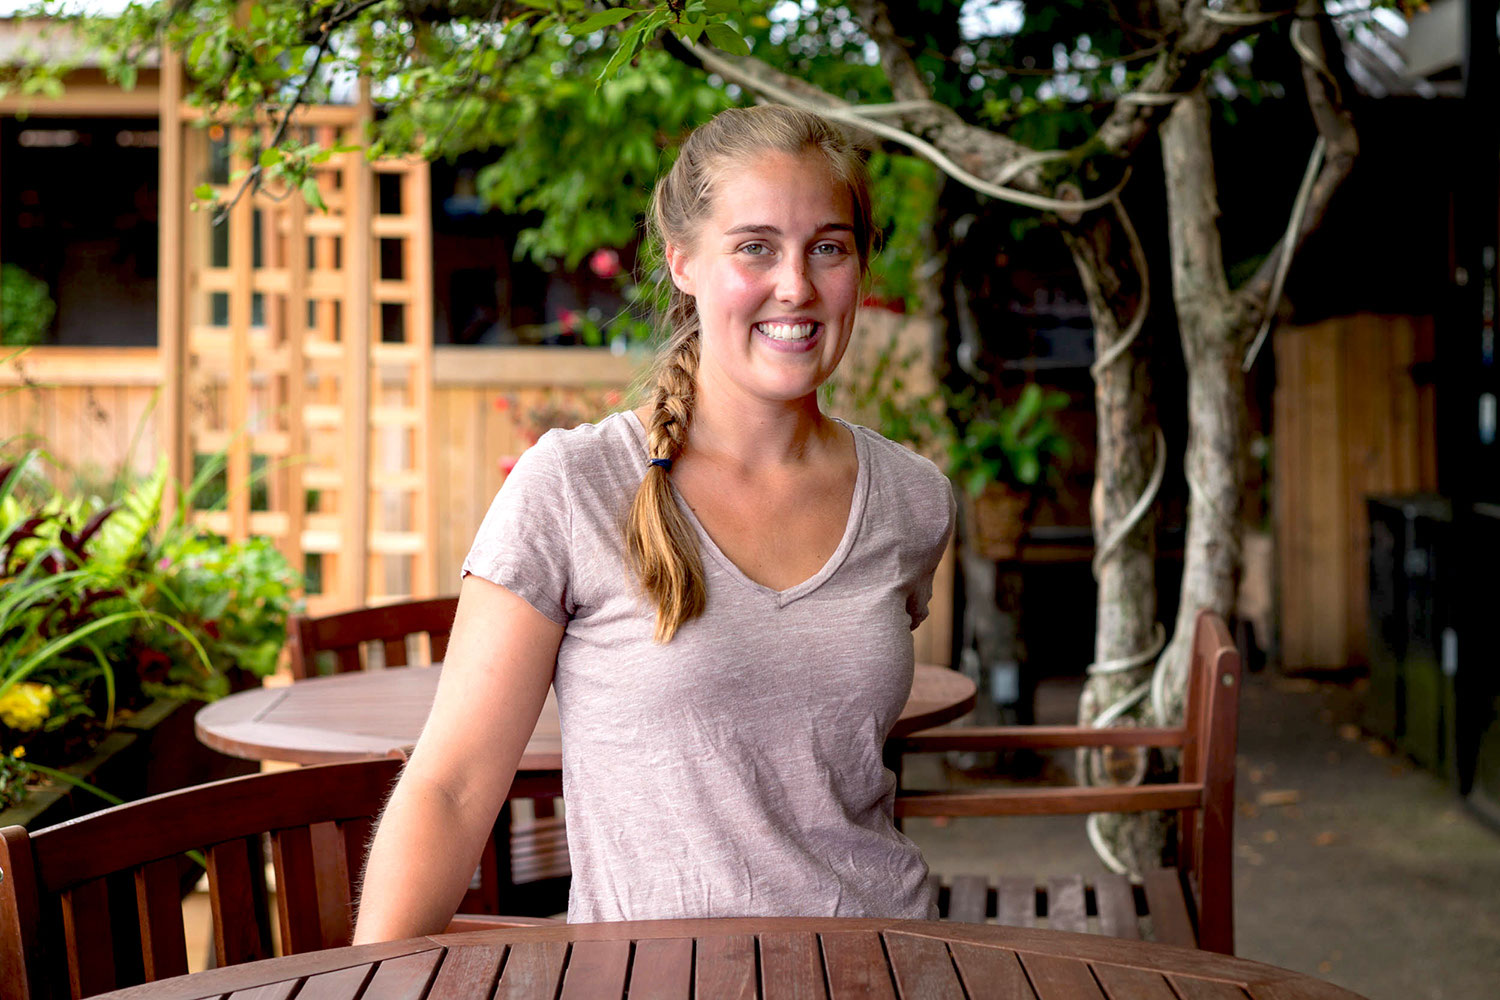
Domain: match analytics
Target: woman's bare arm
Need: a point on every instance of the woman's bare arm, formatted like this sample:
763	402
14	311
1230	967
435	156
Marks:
496	672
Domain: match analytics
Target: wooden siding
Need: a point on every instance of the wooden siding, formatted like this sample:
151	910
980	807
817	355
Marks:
84	406
1350	421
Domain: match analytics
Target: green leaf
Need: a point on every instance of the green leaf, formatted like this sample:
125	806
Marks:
270	157
603	19
722	6
313	195
204	192
726	38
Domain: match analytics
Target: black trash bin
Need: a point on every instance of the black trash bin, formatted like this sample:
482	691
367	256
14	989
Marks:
1478	566
1413	645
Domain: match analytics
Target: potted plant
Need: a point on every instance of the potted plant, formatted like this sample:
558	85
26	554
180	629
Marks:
1004	457
113	617
26	308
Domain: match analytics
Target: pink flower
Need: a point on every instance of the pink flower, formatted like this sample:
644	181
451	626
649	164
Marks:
508	462
612	398
605	262
569	320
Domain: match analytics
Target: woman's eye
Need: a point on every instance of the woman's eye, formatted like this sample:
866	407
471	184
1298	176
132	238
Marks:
827	249
755	249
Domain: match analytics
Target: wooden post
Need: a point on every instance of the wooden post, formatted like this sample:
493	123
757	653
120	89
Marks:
419	332
171	331
359	330
241	266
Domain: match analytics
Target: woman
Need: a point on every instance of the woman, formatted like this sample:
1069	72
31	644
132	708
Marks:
720	586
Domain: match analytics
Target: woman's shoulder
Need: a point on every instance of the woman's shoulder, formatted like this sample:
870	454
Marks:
892	461
589	456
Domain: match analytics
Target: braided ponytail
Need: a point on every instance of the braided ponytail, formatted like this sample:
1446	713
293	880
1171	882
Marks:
660	545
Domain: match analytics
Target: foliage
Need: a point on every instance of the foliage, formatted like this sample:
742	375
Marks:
104	605
1018	445
981	440
26	308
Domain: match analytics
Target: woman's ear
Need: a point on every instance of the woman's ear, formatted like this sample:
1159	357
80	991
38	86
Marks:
677	267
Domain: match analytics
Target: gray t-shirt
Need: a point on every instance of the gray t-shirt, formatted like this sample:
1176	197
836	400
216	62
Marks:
736	770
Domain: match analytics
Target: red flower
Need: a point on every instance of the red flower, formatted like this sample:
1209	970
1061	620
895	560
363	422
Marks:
568	319
612	398
605	262
508	462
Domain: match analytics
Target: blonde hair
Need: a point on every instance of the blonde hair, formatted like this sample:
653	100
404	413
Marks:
659	542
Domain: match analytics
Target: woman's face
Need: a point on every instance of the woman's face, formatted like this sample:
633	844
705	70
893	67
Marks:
775	274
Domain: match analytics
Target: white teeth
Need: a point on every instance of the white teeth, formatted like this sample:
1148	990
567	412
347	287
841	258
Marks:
787	331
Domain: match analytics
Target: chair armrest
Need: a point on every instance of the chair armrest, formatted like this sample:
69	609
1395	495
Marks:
1034	738
1051	801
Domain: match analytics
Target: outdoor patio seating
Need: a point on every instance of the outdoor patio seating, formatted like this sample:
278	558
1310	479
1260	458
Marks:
1190	903
94	904
531	874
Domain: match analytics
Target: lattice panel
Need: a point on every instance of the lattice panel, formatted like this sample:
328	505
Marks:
308	359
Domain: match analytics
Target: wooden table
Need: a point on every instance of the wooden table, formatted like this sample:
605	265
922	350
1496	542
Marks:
352	716
741	959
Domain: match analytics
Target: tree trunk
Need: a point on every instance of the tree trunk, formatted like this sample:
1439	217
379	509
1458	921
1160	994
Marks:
1126	577
1211	332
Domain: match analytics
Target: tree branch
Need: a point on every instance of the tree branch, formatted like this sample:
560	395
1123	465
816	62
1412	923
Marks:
1327	82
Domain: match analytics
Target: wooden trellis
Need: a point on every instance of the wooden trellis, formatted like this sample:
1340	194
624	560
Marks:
298	344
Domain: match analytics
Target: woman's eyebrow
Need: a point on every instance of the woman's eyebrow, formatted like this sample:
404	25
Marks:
762	229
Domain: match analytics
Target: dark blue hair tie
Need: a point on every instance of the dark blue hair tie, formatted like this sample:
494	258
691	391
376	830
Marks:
665	463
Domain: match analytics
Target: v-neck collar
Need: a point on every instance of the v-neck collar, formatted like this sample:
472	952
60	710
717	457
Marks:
846	544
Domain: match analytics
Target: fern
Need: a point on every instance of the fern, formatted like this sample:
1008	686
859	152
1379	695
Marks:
125	536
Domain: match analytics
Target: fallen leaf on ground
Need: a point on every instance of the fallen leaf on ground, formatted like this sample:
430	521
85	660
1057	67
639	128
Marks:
1349	732
1256	776
1378	748
1325	839
1249	810
1325	967
1278	797
1268	836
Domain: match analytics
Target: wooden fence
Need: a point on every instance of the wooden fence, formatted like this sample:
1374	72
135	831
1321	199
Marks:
1351	421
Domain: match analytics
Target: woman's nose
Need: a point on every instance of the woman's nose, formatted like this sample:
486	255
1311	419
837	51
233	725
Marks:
793	284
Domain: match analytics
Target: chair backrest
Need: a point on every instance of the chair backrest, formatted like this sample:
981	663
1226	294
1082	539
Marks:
1202	796
349	635
95	903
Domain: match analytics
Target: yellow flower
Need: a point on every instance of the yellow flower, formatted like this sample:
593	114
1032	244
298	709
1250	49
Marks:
26	706
18	753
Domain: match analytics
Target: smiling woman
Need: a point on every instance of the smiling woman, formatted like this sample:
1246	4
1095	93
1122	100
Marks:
729	663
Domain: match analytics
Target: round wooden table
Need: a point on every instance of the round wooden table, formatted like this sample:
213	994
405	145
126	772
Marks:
352	716
748	958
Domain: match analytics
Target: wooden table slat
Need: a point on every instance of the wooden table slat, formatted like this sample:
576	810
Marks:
405	978
1115	901
1017	904
1065	906
270	991
1122	983
1206	989
1057	978
922	968
988	971
968	898
341	984
791	966
466	967
532	969
596	970
856	966
662	969
725	967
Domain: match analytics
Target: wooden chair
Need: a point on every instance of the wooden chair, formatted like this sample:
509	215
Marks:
345	640
527	872
94	904
1190	903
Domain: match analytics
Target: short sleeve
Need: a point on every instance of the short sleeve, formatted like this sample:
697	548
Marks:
524	542
921	593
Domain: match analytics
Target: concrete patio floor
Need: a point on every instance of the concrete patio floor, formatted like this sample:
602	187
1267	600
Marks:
1351	864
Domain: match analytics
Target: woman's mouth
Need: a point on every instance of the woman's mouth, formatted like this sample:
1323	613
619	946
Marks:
789	332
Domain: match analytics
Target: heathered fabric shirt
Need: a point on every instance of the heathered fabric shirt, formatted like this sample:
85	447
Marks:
735	770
